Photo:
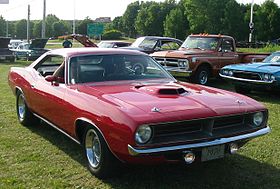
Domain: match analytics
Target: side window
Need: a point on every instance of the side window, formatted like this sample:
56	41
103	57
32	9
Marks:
169	45
51	65
227	45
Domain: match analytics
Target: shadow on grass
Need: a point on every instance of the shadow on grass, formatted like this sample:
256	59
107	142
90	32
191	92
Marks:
232	172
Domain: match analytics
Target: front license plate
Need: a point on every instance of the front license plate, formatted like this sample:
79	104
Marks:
213	152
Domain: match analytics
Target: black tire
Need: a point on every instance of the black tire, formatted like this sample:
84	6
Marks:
100	160
25	116
241	89
202	75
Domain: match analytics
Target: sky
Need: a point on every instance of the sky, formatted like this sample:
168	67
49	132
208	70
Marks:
64	9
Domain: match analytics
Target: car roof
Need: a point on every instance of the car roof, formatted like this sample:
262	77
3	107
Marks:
67	52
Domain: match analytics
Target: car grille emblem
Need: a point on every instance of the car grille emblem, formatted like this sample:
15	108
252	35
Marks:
155	109
240	102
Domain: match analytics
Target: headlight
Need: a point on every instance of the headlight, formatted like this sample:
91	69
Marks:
183	64
266	77
258	119
226	72
272	78
230	73
143	134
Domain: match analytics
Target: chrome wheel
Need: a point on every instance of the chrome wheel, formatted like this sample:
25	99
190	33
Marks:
93	148
203	77
21	107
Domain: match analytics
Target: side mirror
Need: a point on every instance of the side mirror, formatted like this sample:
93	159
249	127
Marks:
52	79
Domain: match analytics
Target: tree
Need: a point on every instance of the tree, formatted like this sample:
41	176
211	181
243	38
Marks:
82	26
233	21
20	29
118	23
267	22
176	24
60	28
151	17
50	19
37	29
2	26
129	18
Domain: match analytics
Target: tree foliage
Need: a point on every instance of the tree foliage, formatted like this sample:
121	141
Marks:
176	24
129	18
2	26
82	26
20	29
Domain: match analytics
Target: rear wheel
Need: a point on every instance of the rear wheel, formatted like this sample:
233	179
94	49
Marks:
101	162
202	75
241	89
25	116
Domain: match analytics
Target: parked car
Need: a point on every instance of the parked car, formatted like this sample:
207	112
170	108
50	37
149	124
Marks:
5	53
31	51
255	76
150	44
113	44
201	56
14	43
104	100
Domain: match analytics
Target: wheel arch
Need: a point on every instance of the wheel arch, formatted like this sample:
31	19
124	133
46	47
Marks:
80	127
206	64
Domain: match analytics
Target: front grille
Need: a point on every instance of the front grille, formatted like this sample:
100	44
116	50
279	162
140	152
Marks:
247	75
170	62
201	129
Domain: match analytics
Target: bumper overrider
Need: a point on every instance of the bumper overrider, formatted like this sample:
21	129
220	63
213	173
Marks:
133	151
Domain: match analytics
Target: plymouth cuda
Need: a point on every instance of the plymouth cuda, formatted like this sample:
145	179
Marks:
123	107
254	76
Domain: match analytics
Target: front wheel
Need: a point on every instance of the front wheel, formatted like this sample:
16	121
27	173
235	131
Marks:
101	162
202	75
25	116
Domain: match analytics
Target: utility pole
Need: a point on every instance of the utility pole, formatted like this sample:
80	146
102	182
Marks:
44	20
28	21
251	24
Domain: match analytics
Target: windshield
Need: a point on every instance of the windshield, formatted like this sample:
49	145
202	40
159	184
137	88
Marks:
102	68
144	43
204	43
105	45
273	58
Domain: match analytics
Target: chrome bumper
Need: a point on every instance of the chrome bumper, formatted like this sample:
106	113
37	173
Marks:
136	152
246	80
177	72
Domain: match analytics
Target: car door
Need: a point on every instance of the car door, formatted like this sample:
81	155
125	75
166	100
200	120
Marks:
48	97
228	54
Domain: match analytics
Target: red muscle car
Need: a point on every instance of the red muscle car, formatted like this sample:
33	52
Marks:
122	106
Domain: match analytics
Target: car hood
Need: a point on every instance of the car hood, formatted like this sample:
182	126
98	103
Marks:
174	99
257	67
182	52
4	41
38	43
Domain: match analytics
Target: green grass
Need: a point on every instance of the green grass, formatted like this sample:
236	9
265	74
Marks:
41	157
267	49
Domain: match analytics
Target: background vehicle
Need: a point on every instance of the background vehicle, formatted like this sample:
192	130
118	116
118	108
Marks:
150	44
5	52
113	44
14	43
255	76
31	51
104	100
202	56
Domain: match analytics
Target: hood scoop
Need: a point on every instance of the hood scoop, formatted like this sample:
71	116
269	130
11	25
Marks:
162	90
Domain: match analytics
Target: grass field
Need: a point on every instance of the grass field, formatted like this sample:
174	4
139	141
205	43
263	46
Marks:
41	157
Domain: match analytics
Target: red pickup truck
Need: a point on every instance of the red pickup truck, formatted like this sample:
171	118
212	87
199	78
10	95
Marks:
201	56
